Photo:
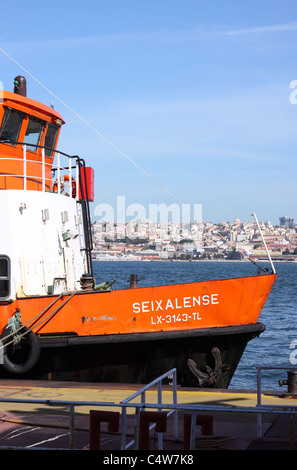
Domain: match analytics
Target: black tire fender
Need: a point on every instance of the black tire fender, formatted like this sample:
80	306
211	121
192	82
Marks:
32	355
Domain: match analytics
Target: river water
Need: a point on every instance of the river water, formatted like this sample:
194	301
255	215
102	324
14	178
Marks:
273	348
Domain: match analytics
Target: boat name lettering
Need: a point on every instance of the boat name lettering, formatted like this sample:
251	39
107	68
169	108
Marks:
186	302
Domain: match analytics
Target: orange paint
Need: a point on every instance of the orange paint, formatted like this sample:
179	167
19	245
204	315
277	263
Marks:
173	307
12	156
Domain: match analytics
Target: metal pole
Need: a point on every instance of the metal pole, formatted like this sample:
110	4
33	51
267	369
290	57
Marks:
175	417
77	180
259	377
259	398
123	428
292	432
264	243
58	174
43	169
160	434
71	442
193	430
136	430
25	166
70	178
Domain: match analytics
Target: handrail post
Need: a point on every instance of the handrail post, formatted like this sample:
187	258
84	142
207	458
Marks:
58	173
77	179
70	183
123	427
25	166
259	391
160	435
175	417
137	426
259	402
71	430
193	430
43	169
292	431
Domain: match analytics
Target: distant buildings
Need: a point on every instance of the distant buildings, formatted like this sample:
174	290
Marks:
144	239
286	221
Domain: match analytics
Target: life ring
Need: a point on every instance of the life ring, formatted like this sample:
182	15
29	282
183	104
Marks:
20	357
64	183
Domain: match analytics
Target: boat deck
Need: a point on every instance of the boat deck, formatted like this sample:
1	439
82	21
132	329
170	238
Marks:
32	418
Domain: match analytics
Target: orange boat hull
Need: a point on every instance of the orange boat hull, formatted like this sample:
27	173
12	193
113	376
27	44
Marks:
180	307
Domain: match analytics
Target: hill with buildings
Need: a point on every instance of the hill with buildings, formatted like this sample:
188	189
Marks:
144	240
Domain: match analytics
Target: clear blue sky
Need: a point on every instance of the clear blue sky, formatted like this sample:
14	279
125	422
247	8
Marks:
195	92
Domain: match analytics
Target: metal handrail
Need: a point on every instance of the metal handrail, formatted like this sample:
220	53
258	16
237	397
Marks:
16	142
268	409
259	409
142	393
259	390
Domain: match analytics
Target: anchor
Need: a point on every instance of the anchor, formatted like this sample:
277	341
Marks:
210	377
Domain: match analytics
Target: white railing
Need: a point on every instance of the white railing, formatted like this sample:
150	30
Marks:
65	174
174	407
142	394
259	390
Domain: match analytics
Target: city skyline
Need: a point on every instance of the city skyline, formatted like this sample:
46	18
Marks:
284	222
169	101
144	240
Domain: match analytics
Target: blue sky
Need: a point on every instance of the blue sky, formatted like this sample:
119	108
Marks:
196	93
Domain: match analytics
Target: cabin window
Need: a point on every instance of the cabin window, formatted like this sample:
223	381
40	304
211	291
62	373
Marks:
11	125
33	133
50	139
4	277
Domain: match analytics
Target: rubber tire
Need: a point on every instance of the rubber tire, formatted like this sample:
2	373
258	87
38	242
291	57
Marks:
33	356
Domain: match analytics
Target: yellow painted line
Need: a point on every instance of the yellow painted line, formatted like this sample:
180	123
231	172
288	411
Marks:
116	395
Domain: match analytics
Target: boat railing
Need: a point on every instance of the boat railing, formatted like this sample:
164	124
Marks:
59	175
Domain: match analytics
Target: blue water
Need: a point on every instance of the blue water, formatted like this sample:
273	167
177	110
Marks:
279	314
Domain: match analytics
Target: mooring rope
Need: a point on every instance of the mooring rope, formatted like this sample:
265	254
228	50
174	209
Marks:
39	315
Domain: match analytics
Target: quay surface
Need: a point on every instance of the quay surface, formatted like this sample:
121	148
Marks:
33	424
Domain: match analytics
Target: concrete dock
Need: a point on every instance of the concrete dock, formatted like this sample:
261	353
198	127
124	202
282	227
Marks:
36	416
